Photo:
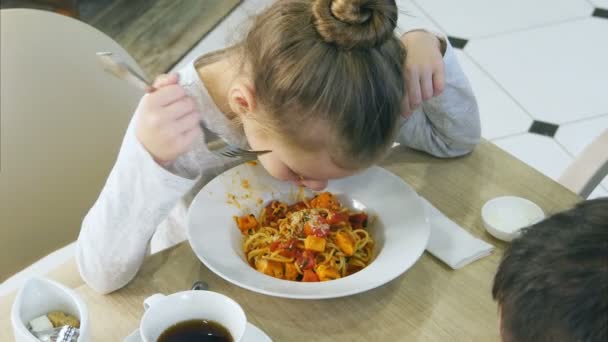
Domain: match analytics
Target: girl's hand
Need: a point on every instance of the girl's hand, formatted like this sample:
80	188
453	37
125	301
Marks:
424	70
167	120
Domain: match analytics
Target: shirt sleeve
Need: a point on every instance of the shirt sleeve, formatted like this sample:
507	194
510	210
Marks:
447	125
138	195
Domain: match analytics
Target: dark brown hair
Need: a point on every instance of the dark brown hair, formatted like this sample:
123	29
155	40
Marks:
329	73
552	284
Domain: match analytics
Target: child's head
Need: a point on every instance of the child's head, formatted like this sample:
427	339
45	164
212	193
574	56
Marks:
324	87
552	284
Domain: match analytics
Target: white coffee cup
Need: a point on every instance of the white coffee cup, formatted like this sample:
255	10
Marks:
163	312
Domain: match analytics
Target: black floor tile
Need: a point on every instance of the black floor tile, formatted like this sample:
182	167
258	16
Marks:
543	128
458	43
601	13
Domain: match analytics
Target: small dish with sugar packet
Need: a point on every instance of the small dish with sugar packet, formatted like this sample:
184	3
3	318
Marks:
46	311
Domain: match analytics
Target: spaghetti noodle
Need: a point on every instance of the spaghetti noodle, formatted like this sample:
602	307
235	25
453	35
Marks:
312	240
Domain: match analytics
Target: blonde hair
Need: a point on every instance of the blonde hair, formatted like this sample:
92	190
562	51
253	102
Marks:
336	64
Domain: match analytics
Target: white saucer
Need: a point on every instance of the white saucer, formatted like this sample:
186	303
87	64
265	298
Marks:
252	334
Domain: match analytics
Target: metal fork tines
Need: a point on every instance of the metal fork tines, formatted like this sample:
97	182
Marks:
114	65
221	148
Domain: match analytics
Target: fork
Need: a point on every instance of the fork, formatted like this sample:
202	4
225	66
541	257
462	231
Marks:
115	66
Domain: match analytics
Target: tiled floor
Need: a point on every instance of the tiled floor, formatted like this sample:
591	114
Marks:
527	61
472	19
538	71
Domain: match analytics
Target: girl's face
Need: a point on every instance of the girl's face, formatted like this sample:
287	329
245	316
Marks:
287	163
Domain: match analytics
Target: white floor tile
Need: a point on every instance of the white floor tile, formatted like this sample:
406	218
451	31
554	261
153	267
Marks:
598	192
556	73
540	152
227	32
577	135
600	3
474	18
39	268
500	115
410	15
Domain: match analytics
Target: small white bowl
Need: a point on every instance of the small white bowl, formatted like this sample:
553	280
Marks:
504	217
40	296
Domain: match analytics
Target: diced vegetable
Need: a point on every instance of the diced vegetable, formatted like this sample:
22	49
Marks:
327	273
246	222
335	218
314	243
325	200
358	220
310	276
345	243
269	267
307	229
291	273
306	260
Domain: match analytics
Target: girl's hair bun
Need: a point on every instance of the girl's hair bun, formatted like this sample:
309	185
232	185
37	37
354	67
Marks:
355	23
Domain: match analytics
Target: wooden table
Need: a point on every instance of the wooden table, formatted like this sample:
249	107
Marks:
430	302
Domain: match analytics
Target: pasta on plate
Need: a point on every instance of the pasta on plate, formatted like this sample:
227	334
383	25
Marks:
312	240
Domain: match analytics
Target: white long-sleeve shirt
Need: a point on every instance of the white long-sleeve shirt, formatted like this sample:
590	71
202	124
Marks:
143	206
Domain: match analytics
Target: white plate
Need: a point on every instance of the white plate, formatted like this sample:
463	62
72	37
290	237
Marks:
252	334
399	227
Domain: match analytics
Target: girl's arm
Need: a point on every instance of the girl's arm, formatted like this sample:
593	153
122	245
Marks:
440	111
139	193
115	234
446	125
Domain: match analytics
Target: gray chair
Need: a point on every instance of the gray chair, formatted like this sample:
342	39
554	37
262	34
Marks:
62	122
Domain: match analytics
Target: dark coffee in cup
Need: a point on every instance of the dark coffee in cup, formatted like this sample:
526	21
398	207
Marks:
198	330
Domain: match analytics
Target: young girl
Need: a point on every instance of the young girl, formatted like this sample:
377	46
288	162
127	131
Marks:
318	83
